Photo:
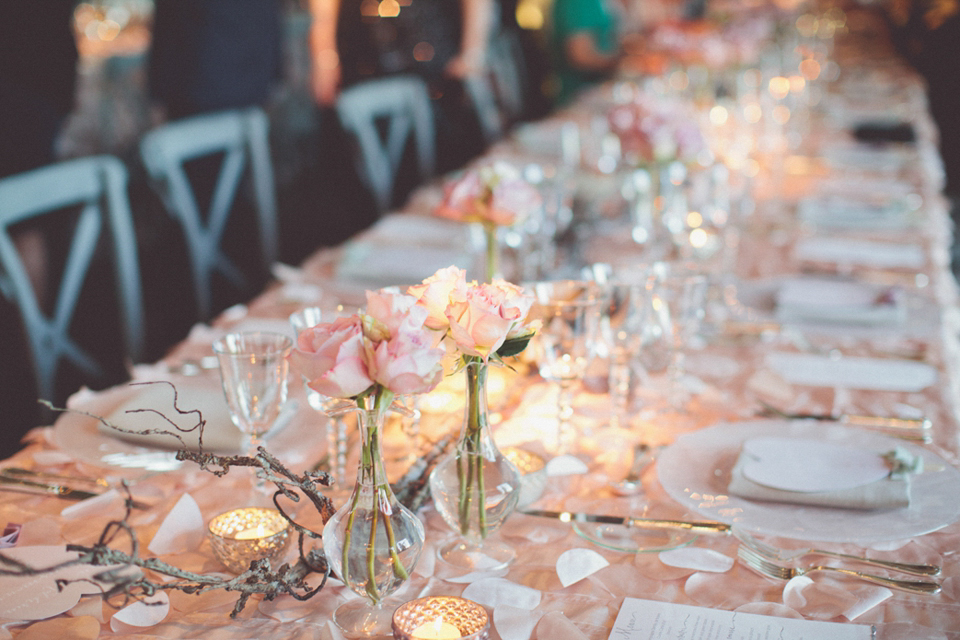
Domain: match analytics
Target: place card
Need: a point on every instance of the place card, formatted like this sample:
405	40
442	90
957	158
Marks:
651	620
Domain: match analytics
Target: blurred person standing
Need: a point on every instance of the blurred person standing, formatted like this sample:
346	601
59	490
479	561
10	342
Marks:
38	67
585	43
442	41
210	55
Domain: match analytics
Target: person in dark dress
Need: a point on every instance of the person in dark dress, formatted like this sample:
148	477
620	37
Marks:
209	55
442	41
38	66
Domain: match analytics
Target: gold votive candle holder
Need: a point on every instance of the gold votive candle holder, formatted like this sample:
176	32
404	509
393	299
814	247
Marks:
436	617
533	474
241	536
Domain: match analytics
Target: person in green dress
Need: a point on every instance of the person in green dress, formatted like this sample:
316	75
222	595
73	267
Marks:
585	44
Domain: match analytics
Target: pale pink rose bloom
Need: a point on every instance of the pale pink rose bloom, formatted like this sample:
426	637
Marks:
408	363
518	303
332	356
392	309
436	292
480	323
494	194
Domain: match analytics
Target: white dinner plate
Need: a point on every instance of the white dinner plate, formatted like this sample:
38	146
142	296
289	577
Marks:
695	471
81	434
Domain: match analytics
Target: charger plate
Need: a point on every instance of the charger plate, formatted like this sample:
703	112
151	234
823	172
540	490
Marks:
695	471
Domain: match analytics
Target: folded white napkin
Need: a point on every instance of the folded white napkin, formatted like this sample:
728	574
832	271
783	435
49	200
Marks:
891	491
383	265
844	301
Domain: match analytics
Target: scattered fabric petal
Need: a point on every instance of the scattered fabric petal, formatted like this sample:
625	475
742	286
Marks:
513	623
697	558
142	613
181	530
574	565
495	592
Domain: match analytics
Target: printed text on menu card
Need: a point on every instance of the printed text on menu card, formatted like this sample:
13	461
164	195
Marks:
650	620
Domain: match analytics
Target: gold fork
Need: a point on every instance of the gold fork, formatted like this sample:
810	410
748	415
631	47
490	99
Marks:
780	555
772	570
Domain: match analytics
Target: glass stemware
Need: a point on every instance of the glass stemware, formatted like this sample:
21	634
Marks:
253	370
337	427
569	311
622	327
680	302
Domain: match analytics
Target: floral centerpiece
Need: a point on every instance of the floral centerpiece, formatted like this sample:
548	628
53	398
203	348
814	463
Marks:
655	132
476	487
493	195
372	541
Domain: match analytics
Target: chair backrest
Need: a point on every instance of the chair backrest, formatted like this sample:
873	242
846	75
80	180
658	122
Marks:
97	185
242	136
402	104
506	62
497	94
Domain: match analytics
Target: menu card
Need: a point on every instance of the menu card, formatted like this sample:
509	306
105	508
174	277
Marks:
651	620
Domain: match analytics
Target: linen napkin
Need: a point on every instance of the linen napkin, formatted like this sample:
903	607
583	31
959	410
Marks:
841	301
854	483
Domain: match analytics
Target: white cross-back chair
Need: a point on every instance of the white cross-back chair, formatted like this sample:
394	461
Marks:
97	185
497	92
242	136
401	106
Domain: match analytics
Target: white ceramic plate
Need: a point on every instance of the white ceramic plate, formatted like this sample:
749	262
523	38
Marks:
695	471
83	436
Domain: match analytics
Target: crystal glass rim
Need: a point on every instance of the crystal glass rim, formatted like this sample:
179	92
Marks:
246	343
591	293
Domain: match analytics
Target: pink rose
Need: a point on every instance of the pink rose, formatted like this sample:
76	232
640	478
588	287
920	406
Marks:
333	358
392	309
408	362
437	291
481	322
494	194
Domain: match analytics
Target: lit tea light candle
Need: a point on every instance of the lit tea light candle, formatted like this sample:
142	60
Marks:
241	536
441	617
260	531
436	630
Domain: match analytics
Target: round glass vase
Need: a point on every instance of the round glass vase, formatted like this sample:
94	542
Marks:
372	542
475	488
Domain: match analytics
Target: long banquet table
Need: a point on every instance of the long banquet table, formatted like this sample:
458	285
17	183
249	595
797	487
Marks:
749	357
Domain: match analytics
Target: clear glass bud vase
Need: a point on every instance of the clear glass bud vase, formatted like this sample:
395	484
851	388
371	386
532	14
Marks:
372	542
475	488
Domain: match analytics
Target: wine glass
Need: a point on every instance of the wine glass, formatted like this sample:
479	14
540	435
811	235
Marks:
680	301
337	428
253	370
569	312
623	326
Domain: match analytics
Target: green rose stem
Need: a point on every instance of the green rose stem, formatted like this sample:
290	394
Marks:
369	463
473	479
490	231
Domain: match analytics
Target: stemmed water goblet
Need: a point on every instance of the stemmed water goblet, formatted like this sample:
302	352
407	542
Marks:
680	300
623	326
569	312
253	371
337	427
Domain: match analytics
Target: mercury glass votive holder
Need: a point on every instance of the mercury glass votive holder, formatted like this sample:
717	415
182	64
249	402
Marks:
437	617
533	474
241	536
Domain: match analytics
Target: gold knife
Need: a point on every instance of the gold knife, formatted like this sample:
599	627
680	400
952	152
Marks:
697	526
56	490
